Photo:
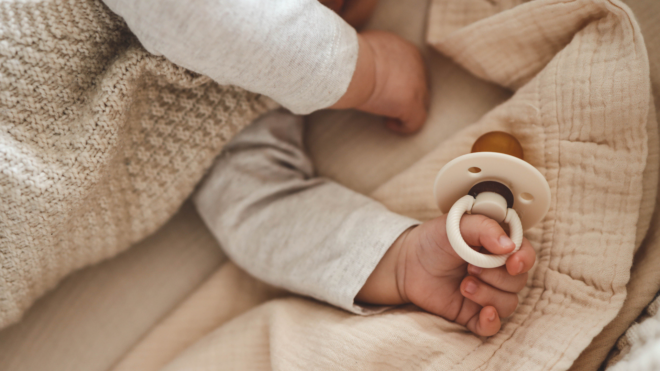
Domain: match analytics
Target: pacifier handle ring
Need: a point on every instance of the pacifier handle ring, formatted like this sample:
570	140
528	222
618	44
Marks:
463	205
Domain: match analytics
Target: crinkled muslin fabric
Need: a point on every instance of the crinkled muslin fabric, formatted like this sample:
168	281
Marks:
100	141
583	112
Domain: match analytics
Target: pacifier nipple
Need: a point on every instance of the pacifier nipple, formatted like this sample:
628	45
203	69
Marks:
491	205
498	141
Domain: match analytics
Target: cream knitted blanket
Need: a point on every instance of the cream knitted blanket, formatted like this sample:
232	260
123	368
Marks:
581	109
100	142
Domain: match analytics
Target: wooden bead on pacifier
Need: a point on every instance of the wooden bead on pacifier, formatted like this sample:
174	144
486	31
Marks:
498	141
495	181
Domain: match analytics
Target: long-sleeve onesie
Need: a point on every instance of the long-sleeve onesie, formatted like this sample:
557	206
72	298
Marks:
262	200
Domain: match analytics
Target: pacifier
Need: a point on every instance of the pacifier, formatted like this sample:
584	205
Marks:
493	180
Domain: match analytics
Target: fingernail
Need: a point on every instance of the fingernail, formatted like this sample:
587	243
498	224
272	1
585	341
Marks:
473	269
470	287
491	317
521	266
506	243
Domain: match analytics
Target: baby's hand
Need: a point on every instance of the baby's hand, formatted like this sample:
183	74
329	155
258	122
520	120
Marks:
422	268
389	80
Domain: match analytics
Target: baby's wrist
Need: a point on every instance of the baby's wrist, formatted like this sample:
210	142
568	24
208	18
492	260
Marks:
363	82
383	285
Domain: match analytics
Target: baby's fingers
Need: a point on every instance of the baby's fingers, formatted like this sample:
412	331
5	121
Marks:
523	260
486	323
486	295
499	278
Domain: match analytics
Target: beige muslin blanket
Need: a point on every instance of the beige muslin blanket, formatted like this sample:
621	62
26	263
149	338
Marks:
583	113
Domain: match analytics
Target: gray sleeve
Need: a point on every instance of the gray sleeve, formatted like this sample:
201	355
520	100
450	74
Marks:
286	226
297	52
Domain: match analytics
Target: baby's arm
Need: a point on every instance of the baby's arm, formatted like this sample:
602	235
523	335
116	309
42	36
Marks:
297	52
282	224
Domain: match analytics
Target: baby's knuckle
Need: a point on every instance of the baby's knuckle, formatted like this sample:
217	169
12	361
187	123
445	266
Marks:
502	280
488	224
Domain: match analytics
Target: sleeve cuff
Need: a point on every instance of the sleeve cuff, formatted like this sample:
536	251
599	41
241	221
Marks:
375	239
327	74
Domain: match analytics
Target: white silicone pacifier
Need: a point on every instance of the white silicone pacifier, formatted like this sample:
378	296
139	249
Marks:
494	181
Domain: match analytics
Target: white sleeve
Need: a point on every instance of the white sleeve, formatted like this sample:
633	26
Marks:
298	52
284	225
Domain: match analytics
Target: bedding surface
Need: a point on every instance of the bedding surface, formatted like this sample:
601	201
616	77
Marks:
119	300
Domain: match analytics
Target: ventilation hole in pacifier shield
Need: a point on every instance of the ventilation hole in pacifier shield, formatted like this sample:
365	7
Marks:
474	170
526	198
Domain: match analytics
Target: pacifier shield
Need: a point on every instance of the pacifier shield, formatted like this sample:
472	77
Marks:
530	190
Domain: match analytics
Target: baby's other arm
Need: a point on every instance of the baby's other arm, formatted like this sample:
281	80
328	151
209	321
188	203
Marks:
298	52
288	227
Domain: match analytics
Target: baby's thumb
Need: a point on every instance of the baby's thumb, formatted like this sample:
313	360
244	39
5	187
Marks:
479	230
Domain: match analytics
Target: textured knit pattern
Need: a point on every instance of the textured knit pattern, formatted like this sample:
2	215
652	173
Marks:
100	142
580	109
639	348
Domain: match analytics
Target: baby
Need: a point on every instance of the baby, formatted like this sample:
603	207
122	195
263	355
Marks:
262	200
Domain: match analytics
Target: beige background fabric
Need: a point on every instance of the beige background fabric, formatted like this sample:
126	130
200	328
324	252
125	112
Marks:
69	329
